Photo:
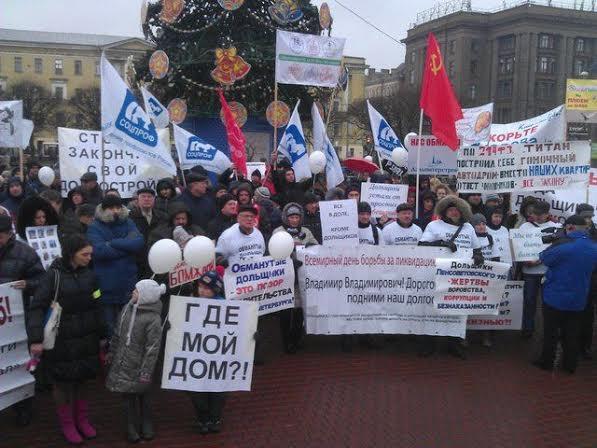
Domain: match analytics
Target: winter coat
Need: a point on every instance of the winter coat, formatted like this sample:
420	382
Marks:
27	211
75	356
157	219
12	203
34	187
18	261
71	225
116	244
95	196
313	223
202	209
290	192
220	223
138	359
161	203
166	229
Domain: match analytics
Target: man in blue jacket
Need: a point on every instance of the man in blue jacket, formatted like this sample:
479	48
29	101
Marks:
570	263
116	242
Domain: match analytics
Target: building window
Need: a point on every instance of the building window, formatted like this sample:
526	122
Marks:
546	64
58	66
579	45
60	119
475	45
504	89
452	46
78	68
474	67
473	92
350	152
451	69
98	70
506	43
59	90
544	90
18	64
413	57
546	41
2	85
38	63
504	115
506	65
411	77
579	66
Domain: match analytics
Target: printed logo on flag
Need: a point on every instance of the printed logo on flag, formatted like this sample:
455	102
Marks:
386	137
296	143
133	121
156	109
199	149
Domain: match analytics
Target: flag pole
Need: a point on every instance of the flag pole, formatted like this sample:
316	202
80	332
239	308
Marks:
418	164
275	124
22	164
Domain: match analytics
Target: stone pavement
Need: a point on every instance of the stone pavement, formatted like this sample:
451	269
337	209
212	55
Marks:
322	397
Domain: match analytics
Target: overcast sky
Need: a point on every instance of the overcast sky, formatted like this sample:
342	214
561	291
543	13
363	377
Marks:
122	17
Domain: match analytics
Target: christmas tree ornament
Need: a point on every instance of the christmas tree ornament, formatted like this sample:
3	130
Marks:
177	109
159	63
277	114
325	16
284	12
171	9
231	5
230	67
239	112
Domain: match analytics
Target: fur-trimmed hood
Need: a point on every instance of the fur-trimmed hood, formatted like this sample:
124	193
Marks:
27	211
107	217
453	201
292	207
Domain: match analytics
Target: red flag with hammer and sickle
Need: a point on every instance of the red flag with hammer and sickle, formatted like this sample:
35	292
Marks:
437	97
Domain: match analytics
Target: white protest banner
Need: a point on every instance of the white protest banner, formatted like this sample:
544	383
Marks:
44	240
125	122
526	244
562	202
183	273
11	124
339	222
16	383
259	166
593	191
383	198
528	167
27	131
437	159
510	311
210	345
79	151
193	151
268	282
548	127
308	59
463	288
372	289
475	126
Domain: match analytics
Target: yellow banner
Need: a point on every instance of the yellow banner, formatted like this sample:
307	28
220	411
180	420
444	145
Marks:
581	94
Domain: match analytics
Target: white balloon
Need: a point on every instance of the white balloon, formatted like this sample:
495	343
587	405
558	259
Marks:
369	158
407	140
317	162
46	175
400	157
199	251
164	255
281	245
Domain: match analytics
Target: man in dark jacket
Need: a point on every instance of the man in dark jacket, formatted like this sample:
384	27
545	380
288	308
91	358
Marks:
116	243
226	217
93	192
312	219
147	219
19	265
166	194
33	186
289	190
79	222
15	195
570	264
197	199
179	216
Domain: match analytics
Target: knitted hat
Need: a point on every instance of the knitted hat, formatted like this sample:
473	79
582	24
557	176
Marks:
478	218
149	292
195	177
111	201
5	223
262	193
181	236
213	281
310	198
85	210
87	177
575	220
364	207
224	199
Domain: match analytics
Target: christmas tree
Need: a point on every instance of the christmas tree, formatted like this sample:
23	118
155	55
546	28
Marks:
203	31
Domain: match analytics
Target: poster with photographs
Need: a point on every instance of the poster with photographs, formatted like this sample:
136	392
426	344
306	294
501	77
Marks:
44	240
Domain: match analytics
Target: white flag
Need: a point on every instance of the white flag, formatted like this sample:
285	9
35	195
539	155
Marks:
294	147
384	137
11	124
124	120
321	142
193	151
156	110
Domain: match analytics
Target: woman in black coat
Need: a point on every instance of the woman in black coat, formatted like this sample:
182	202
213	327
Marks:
75	357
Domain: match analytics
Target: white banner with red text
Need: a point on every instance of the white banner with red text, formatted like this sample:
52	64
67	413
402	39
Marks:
183	273
510	311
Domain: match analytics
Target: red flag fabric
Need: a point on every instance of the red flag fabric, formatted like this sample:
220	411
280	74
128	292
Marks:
236	138
268	181
437	97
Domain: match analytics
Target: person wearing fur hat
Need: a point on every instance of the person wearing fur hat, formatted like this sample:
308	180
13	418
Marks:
368	233
209	406
15	195
116	242
133	355
226	217
402	231
291	320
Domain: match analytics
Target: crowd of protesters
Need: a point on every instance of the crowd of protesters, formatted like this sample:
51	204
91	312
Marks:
113	309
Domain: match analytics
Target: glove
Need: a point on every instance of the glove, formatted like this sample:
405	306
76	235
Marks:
478	259
181	236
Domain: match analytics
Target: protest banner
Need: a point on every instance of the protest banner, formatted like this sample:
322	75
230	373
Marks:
581	100
259	166
80	151
592	195
11	124
16	383
44	240
339	222
371	289
265	281
210	345
510	311
528	167
183	273
383	198
475	126
526	244
463	288
548	127
562	203
437	159
307	59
